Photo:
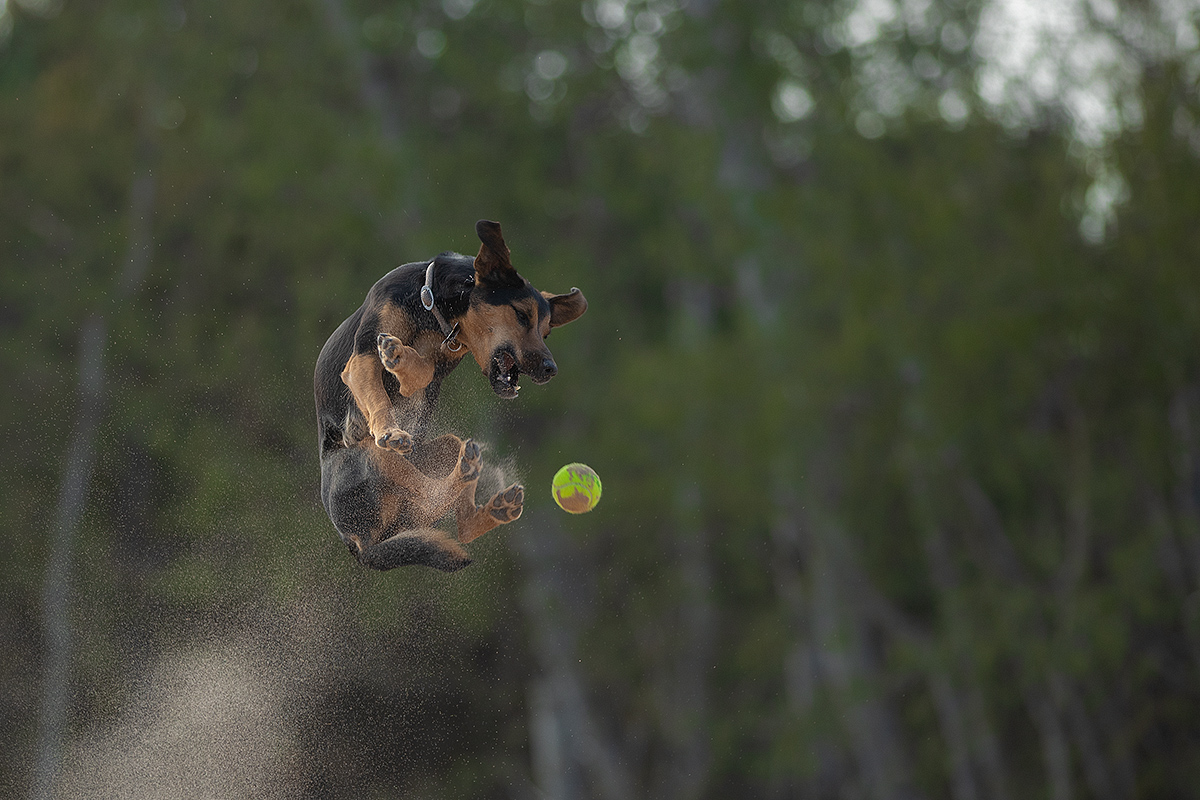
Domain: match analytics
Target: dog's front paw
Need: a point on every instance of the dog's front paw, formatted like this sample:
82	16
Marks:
472	461
395	439
412	370
507	505
390	350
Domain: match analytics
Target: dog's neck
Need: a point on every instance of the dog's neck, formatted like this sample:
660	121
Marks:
429	302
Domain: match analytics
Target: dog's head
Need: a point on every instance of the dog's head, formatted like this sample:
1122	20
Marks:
507	322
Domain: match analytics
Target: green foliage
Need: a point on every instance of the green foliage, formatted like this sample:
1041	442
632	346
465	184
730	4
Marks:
897	467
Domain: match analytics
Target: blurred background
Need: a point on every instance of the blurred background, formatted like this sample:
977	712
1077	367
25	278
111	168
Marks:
890	370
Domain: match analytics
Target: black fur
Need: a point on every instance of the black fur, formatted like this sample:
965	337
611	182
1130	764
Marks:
454	280
384	493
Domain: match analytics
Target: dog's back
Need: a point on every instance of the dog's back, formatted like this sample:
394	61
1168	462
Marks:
333	398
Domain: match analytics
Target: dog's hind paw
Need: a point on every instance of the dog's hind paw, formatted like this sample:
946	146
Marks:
507	505
395	439
471	463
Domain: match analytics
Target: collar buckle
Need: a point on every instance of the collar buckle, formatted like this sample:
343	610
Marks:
450	342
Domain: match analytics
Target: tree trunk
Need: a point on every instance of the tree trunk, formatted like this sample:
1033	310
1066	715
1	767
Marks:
56	593
73	494
571	750
848	666
1055	751
371	90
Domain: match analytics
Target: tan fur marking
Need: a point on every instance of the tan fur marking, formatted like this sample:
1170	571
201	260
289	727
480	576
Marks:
394	320
474	521
363	375
426	498
415	363
484	328
412	370
528	306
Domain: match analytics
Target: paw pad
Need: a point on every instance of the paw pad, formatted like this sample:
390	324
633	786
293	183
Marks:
508	504
389	350
395	439
472	461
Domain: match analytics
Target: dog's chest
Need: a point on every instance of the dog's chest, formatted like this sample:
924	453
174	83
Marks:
415	413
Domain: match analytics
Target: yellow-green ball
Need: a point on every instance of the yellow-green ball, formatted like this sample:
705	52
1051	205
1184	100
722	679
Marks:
576	488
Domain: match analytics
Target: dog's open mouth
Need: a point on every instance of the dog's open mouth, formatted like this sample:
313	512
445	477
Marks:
504	373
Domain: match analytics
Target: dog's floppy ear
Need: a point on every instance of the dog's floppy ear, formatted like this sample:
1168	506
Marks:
565	308
492	265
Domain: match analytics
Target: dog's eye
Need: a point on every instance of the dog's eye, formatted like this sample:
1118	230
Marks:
522	317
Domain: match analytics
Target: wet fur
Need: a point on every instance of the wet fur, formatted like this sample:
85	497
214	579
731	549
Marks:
377	380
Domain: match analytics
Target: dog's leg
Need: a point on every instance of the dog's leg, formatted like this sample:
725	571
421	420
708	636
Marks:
443	474
363	375
428	482
429	547
376	500
412	370
474	521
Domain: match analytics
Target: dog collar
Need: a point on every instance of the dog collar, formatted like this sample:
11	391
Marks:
450	343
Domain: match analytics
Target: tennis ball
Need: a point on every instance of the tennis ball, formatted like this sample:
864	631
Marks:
576	488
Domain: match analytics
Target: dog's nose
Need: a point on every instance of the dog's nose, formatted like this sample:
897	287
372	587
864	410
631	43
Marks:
548	369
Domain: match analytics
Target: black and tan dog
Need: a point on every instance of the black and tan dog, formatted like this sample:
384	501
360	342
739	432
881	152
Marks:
377	382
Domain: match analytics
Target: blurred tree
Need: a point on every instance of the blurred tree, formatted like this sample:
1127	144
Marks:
889	370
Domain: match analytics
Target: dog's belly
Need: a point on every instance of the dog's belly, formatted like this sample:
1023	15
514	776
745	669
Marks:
413	414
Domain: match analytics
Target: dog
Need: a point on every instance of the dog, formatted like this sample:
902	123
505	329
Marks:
377	379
